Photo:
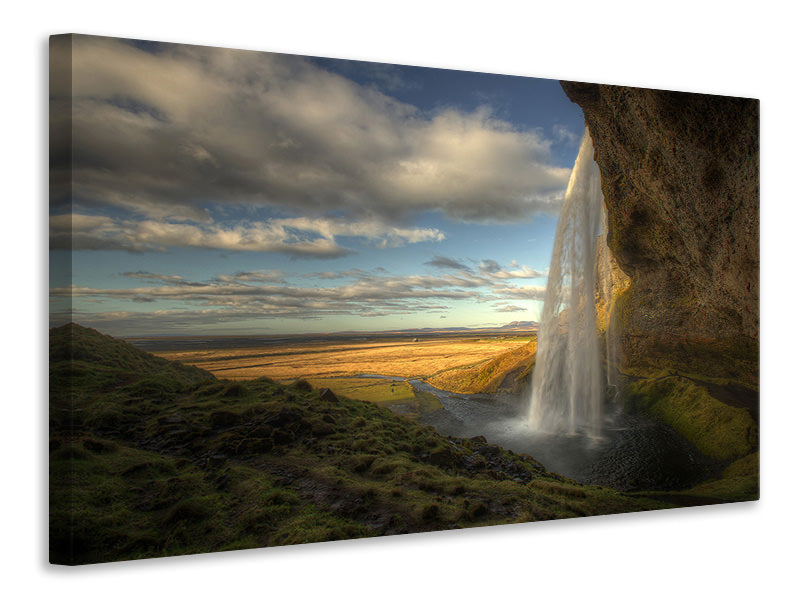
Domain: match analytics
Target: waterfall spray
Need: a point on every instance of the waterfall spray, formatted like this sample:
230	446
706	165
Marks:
568	388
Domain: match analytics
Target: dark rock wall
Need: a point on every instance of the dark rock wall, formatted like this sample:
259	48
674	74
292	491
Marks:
680	177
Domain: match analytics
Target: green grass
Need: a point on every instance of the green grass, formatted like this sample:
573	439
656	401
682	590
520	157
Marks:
368	389
158	462
489	376
399	396
699	387
739	482
124	503
718	430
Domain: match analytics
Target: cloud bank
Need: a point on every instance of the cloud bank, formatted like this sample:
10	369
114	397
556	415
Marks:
299	237
246	295
165	133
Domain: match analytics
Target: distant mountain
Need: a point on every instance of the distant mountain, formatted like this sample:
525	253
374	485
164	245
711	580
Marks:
526	325
513	326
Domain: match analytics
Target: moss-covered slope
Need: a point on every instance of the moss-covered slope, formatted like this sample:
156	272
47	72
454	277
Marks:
508	372
157	460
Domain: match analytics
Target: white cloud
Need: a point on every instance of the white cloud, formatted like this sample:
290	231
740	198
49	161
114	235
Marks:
510	308
266	294
520	292
564	135
384	235
493	269
445	262
154	276
490	272
166	134
297	237
271	276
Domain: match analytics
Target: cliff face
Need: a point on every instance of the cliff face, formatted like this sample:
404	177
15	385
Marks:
680	177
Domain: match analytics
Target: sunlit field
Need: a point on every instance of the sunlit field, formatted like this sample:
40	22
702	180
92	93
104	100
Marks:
422	359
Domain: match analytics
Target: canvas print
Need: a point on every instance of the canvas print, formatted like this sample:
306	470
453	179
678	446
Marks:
298	299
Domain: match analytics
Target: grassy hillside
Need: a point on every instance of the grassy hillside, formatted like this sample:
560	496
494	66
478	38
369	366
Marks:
398	396
507	372
152	458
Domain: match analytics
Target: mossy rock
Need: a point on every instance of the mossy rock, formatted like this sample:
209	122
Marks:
717	429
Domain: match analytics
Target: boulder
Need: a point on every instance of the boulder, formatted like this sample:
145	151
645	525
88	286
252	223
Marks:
326	395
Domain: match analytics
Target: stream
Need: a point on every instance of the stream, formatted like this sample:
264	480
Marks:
633	453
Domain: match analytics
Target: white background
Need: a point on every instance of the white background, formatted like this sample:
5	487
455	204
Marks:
731	551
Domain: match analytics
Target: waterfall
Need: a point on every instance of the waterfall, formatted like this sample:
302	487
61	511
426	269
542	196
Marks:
568	387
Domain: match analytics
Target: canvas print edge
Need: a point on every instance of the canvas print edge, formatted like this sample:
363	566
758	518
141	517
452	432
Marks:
690	366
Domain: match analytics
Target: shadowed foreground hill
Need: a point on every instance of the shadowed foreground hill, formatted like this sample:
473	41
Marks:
153	458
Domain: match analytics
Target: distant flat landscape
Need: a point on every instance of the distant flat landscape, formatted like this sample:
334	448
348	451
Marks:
301	358
453	359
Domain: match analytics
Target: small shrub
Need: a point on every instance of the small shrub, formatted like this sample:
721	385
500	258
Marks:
430	512
235	390
478	510
98	446
190	510
302	385
223	418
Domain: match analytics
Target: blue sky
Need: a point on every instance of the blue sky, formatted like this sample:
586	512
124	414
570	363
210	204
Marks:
218	191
